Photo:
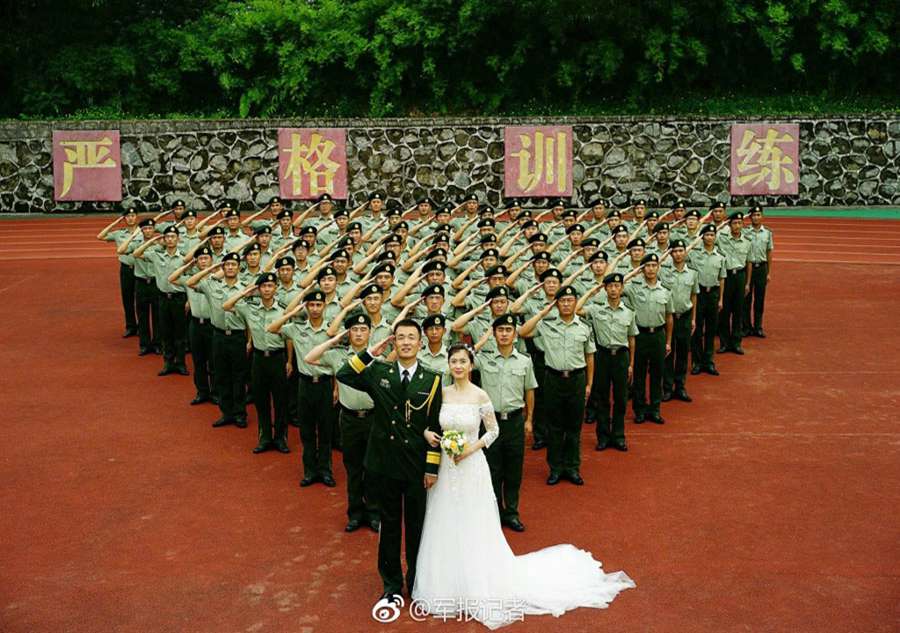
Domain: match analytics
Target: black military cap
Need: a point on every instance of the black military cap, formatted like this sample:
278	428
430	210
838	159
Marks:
599	255
217	230
619	229
615	213
339	253
315	295
275	199
436	289
567	291
538	237
661	226
717	205
486	210
678	244
369	289
438	252
677	205
309	230
232	213
559	202
708	228
439	238
591	241
499	269
490	238
325	271
403	224
358	319
551	272
354	226
434	320
263	230
203	250
469	197
147	222
490	252
504	319
650	257
325	197
386	267
231	257
223	205
447	208
528	224
345	241
570	213
189	213
169	230
393	238
266	278
284	261
599	202
575	227
252	248
524	213
542	256
433	265
340	213
425	200
393	211
613	278
653	215
179	203
755	209
284	213
299	244
386	256
636	242
485	222
128	210
693	213
376	196
499	291
735	215
640	202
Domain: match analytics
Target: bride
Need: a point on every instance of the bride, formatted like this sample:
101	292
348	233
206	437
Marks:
465	567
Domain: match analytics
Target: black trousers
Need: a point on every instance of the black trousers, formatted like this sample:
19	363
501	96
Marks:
649	357
268	381
565	399
401	504
703	341
362	503
147	298
610	374
231	369
506	457
129	301
314	400
755	300
172	327
293	413
730	326
675	374
539	418
201	337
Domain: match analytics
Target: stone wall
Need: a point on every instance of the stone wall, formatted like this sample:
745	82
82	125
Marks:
844	161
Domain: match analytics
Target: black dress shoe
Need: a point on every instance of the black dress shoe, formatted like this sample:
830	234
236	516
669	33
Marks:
656	418
396	598
282	447
712	371
223	421
681	394
199	399
667	395
639	418
374	525
553	479
214	399
157	350
538	445
181	369
620	445
262	447
760	333
308	481
722	349
589	420
695	370
129	333
165	371
575	478
602	445
144	351
737	349
241	422
329	481
515	525
352	525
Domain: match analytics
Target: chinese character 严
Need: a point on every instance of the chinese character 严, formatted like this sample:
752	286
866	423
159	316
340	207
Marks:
764	162
312	161
548	161
84	155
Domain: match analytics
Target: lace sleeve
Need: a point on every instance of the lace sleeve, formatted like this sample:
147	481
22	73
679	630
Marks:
492	429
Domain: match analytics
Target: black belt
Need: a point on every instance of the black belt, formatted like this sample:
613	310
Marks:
503	417
200	320
145	280
565	373
267	353
612	351
650	330
357	413
708	289
230	332
758	264
313	379
681	315
174	295
734	271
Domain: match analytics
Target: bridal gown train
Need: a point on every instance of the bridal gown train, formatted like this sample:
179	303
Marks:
464	558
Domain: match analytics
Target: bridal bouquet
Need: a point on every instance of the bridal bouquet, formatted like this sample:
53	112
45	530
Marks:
453	443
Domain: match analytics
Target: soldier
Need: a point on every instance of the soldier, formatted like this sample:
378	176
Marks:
615	328
682	282
735	246
761	246
145	293
710	266
507	376
652	305
268	377
126	266
568	348
433	354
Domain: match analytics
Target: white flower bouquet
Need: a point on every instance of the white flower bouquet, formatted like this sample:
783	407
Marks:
453	443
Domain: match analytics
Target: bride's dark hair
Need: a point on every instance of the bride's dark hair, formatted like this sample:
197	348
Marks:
462	347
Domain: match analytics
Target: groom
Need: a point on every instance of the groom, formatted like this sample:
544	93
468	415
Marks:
403	466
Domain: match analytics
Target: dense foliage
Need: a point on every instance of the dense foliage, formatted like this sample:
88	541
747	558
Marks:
116	58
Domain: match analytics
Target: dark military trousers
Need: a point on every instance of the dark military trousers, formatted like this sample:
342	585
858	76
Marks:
539	419
703	340
564	397
362	504
506	457
755	300
610	374
127	286
732	315
401	504
293	382
314	400
147	298
675	375
649	358
268	381
172	327
200	332
230	362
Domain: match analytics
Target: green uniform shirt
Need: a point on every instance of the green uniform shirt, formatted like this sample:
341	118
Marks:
120	235
506	378
257	317
760	243
143	266
682	284
564	344
349	397
232	242
436	362
710	266
164	264
217	292
650	305
736	250
612	326
199	303
305	337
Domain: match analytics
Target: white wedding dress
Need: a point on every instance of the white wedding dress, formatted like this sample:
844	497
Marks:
466	569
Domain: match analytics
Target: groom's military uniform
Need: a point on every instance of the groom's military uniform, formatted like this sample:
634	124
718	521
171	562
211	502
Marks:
398	457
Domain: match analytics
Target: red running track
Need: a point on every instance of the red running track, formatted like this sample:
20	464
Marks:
769	504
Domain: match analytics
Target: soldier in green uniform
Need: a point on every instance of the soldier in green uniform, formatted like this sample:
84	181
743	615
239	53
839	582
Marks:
229	348
126	266
268	377
735	246
145	293
710	266
315	391
761	246
568	347
356	411
615	328
433	354
652	305
403	448
683	283
507	376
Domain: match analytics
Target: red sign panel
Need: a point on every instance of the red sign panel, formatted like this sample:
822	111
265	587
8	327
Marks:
538	162
765	159
87	165
312	161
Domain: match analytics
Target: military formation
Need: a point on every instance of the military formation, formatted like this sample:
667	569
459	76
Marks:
573	312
